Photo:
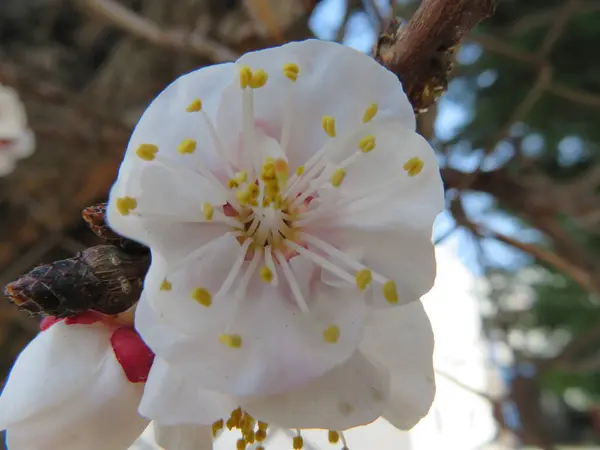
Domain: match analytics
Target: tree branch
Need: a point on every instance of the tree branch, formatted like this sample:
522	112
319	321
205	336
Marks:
420	52
143	28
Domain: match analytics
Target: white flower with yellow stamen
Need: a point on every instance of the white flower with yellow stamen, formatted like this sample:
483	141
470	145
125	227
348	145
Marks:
288	204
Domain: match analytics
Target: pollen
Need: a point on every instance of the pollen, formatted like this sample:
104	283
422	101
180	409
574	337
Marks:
389	292
282	173
125	205
370	112
328	124
260	435
241	444
266	275
363	279
187	147
299	170
147	152
195	106
338	177
291	71
413	166
259	79
262	425
245	76
231	340
216	427
208	211
331	334
367	143
202	296
250	437
298	443
333	436
166	285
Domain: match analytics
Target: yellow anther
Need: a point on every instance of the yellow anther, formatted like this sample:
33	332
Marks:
232	184
245	76
216	427
337	177
262	425
202	296
260	435
208	211
363	279
250	437
231	340
291	71
413	166
266	275
298	443
331	334
195	106
389	292
259	79
282	173
187	146
299	170
125	205
147	152
166	285
241	176
231	424
260	447
241	444
367	143
370	112
243	196
334	437
328	124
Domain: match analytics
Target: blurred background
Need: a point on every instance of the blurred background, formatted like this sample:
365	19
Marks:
516	306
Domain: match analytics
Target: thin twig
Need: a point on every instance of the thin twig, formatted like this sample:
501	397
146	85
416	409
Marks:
143	28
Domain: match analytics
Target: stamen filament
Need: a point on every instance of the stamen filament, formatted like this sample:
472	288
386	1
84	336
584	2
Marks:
320	261
235	269
293	283
218	144
340	255
270	264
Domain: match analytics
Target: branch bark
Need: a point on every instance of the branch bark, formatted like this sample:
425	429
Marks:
420	53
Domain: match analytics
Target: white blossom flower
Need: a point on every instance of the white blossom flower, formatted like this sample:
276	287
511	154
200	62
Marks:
16	139
74	388
287	201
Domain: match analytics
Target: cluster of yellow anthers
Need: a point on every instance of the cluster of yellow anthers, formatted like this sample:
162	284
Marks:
255	432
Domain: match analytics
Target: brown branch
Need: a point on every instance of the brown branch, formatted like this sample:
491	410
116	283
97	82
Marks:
420	52
128	21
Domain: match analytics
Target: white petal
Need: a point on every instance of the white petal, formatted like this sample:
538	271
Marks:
405	256
389	197
352	394
7	164
184	437
331	82
103	415
170	204
25	145
282	347
56	366
166	124
402	340
170	400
